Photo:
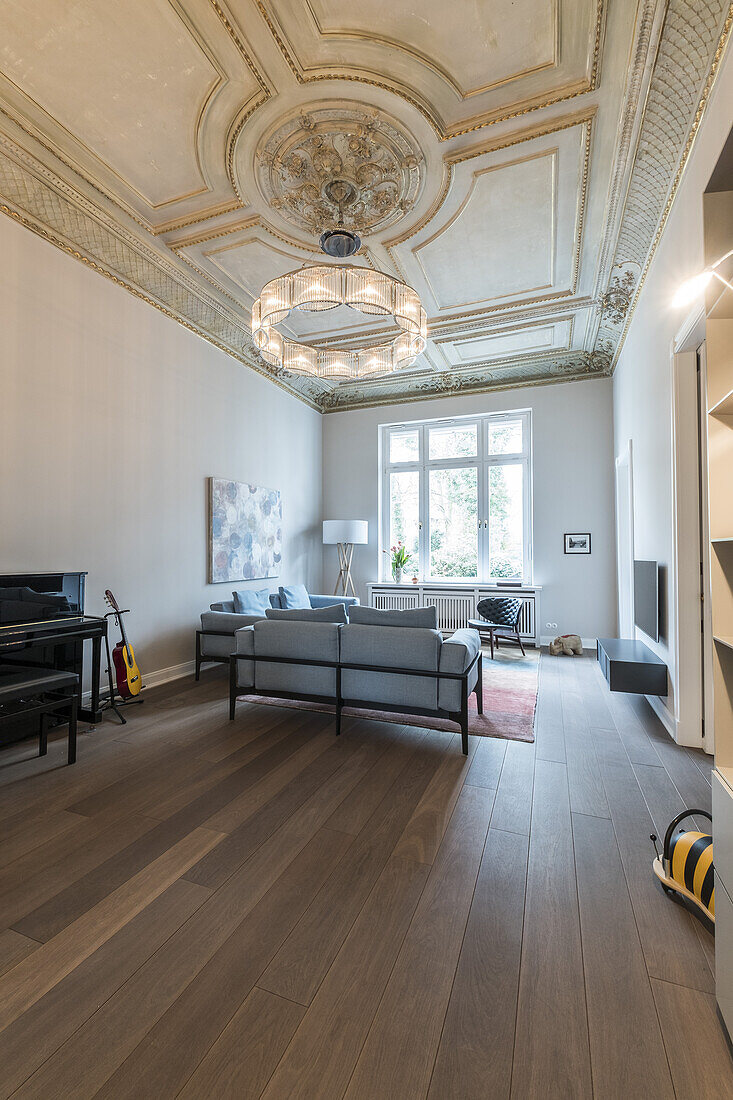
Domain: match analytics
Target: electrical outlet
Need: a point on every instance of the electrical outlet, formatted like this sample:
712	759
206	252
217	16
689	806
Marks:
551	626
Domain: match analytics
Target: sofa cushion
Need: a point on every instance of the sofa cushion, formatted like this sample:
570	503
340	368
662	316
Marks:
425	617
247	601
332	613
294	595
329	601
412	647
456	655
317	640
223	605
275	600
224	623
244	642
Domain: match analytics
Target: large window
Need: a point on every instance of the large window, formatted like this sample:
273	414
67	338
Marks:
457	493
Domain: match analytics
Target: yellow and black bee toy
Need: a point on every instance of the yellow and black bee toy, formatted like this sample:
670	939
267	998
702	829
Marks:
686	864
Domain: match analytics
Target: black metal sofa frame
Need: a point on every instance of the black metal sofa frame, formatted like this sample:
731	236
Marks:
459	717
202	659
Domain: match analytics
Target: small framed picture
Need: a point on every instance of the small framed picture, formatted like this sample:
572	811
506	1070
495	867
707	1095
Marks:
577	544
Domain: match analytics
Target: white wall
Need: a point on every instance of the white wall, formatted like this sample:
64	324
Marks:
573	491
643	395
112	416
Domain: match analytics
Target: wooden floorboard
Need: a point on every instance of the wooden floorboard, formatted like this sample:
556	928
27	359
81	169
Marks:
489	960
206	908
627	1054
513	803
671	946
551	1052
244	1057
701	1067
39	1032
299	967
398	1055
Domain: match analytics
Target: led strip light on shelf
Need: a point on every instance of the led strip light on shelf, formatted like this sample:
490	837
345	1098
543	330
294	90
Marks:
314	289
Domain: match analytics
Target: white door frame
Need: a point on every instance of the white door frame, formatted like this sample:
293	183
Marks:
625	541
684	718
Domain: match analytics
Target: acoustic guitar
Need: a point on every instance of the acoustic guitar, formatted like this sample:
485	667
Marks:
129	680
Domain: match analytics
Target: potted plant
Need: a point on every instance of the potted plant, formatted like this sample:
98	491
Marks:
399	557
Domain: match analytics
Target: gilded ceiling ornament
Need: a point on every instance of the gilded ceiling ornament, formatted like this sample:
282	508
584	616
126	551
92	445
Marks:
617	299
338	163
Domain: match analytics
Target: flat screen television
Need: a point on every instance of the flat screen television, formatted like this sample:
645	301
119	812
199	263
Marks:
646	597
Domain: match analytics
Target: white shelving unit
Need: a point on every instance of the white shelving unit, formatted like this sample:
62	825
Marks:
718	221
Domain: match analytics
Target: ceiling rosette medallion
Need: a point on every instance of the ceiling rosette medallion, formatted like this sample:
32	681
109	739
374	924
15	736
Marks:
378	165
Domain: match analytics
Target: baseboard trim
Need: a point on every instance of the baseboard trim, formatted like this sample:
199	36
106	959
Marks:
664	715
152	679
588	643
165	675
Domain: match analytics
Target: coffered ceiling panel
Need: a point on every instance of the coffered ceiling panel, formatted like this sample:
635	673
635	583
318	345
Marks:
506	224
466	64
130	91
509	228
509	343
480	47
514	161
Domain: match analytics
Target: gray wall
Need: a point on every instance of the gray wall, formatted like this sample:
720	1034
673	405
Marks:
643	399
573	491
112	416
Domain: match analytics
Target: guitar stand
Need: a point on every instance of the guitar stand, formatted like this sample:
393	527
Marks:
115	700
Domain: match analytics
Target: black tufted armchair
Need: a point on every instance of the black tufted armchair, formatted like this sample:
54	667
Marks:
500	619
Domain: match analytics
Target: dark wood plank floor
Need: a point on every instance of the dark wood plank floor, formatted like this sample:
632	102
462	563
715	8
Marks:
201	908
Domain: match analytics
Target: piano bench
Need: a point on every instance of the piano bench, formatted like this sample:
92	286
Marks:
26	690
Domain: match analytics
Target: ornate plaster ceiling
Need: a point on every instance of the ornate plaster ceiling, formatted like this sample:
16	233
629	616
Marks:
515	162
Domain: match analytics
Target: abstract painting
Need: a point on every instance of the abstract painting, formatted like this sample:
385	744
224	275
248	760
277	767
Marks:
245	531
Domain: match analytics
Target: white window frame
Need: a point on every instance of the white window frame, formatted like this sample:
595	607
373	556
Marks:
482	461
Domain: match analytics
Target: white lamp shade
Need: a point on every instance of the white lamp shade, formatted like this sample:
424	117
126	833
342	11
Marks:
346	530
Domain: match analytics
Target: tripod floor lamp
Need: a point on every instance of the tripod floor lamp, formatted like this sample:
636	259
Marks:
345	534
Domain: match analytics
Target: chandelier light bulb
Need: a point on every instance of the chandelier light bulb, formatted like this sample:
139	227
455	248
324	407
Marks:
324	287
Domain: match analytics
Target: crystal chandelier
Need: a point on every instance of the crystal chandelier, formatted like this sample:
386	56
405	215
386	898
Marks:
325	286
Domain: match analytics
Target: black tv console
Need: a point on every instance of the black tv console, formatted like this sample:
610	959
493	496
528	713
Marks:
629	665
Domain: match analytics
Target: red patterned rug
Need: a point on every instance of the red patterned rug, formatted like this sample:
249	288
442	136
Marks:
510	698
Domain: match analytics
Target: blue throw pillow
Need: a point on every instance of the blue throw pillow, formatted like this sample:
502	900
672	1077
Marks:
250	602
295	595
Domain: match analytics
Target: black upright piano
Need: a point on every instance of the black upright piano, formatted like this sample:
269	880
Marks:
42	622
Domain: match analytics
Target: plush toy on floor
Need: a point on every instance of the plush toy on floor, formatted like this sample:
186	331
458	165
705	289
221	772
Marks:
685	866
569	644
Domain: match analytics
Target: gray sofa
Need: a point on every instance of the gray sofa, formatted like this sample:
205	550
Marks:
407	669
215	639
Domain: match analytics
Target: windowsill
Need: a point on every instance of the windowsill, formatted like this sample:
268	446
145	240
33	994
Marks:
456	584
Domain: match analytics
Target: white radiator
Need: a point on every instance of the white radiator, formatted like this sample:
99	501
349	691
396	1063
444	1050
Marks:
395	601
454	608
456	604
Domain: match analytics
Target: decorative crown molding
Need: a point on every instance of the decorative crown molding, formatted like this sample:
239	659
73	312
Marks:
676	54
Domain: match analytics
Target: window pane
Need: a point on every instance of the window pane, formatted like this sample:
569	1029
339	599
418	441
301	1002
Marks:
454	523
505	437
453	442
404	505
404	446
506	520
